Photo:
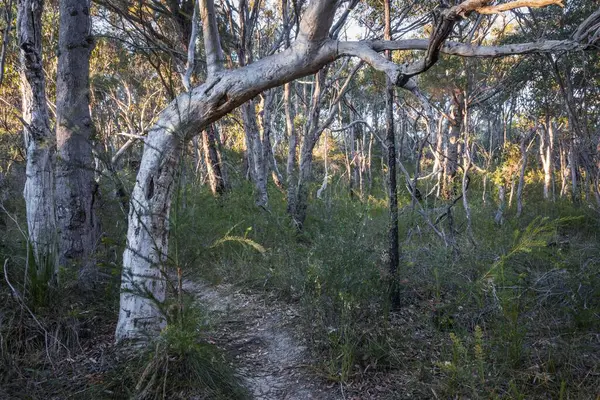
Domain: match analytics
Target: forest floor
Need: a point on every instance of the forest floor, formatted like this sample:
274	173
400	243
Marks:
261	336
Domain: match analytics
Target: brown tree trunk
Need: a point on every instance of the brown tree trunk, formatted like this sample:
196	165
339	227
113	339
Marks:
390	140
76	189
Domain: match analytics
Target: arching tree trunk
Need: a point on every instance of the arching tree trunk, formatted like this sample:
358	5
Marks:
39	185
76	189
143	282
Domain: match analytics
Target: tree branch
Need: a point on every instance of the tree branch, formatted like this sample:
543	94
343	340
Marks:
518	4
212	41
191	53
468	50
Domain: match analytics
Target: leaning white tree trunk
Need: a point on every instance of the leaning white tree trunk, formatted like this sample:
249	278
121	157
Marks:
39	185
76	188
143	282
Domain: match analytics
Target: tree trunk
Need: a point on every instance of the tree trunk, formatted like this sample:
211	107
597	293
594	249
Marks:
501	204
76	189
267	103
564	173
213	163
546	153
39	185
390	139
143	284
451	162
439	154
291	178
521	186
256	157
304	177
573	169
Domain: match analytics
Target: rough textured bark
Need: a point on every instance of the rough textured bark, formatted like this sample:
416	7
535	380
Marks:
39	140
390	141
76	189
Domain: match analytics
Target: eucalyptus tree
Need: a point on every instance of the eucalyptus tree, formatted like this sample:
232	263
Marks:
573	78
390	141
76	189
39	138
166	35
144	275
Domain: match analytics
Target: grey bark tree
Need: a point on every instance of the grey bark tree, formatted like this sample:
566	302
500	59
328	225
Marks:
455	122
144	277
213	161
39	140
76	189
390	141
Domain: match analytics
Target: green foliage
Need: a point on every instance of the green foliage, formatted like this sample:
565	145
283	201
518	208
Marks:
181	363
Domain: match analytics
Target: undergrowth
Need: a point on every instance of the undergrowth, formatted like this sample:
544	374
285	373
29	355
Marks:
510	315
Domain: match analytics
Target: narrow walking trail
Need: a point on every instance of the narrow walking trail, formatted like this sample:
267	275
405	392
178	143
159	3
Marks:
259	336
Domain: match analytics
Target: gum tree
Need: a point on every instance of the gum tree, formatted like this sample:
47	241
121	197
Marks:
144	275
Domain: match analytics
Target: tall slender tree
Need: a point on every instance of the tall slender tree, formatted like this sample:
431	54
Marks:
39	140
390	141
76	189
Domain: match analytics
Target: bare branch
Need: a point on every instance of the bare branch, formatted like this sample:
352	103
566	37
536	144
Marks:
468	50
518	4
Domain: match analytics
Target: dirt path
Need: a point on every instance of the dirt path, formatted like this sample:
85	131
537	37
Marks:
259	337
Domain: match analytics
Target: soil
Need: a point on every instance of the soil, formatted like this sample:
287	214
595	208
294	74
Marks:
260	336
